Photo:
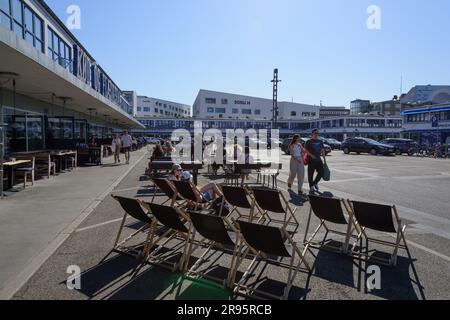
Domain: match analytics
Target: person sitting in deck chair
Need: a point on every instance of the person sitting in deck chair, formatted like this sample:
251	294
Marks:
208	192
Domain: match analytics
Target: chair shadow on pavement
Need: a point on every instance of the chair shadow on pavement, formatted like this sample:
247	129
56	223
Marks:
397	283
106	274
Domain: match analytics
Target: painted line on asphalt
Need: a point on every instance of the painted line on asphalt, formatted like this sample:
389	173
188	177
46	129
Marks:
100	225
18	282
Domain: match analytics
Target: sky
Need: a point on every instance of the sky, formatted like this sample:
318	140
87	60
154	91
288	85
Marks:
324	50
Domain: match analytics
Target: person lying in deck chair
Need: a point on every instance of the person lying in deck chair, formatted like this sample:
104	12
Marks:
208	192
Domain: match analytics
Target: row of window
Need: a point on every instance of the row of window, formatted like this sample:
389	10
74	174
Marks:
426	117
171	107
162	112
189	124
17	16
234	111
225	101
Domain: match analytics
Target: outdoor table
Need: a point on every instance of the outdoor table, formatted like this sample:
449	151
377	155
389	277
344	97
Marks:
10	166
61	155
193	167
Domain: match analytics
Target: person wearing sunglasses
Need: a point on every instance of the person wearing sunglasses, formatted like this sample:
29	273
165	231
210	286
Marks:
316	151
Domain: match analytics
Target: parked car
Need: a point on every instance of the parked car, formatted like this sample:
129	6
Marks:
334	144
363	145
287	142
402	146
153	140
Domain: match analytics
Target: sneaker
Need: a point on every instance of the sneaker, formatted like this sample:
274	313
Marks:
312	190
316	187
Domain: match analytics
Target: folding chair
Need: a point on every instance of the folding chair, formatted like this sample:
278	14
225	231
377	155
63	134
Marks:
381	218
275	201
264	241
165	186
175	220
219	232
133	208
238	198
328	210
188	191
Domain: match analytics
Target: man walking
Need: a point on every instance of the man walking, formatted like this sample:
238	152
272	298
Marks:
316	150
127	143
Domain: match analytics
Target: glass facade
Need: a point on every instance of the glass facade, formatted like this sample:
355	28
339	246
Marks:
15	15
59	50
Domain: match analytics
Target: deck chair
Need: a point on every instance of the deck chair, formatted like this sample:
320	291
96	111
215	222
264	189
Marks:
188	191
238	198
218	232
165	186
328	210
133	208
274	201
175	220
381	218
266	242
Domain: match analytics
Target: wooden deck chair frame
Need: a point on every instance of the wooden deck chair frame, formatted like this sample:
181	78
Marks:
119	245
241	289
187	237
339	218
288	210
399	230
255	210
188	201
214	245
174	200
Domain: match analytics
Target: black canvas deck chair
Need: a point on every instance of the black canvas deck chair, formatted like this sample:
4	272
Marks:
133	208
165	187
329	211
220	234
180	227
188	191
381	218
274	201
240	199
270	244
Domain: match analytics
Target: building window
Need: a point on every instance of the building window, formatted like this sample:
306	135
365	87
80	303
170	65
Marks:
258	112
246	111
293	114
220	110
59	50
139	109
235	111
146	109
210	101
224	101
210	110
17	16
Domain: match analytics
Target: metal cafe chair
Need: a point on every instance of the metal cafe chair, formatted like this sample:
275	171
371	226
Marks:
329	211
380	218
269	244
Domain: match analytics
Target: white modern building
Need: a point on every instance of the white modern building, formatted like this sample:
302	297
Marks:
221	105
148	107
